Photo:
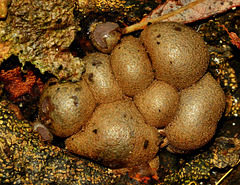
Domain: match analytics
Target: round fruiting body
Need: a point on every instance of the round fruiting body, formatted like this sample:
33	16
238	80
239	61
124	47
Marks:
158	103
64	108
200	108
131	66
116	136
100	79
120	134
105	36
178	54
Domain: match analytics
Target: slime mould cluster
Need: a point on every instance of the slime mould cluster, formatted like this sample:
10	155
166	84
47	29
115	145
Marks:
126	103
26	159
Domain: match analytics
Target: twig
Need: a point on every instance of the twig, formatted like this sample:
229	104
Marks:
226	174
142	24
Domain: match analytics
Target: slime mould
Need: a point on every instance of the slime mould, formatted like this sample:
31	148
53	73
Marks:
119	132
41	32
26	159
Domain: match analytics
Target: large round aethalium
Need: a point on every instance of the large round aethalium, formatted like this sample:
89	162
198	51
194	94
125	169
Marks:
200	109
121	131
178	54
117	136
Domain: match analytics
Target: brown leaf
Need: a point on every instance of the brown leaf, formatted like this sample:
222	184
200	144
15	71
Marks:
184	11
196	10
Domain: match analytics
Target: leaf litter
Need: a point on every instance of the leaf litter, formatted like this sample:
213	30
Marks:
184	11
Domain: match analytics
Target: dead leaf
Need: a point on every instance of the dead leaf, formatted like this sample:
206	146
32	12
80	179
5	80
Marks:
184	11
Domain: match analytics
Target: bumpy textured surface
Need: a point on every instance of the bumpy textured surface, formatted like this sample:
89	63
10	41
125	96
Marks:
25	159
41	32
19	172
179	55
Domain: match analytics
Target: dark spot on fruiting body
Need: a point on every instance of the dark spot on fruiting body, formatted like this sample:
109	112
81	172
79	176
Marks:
125	115
52	83
159	35
78	89
159	110
96	63
90	77
146	142
170	62
177	28
158	43
75	100
60	67
95	131
149	23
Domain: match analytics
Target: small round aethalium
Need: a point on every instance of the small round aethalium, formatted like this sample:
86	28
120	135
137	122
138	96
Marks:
158	103
64	108
131	66
100	79
113	113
